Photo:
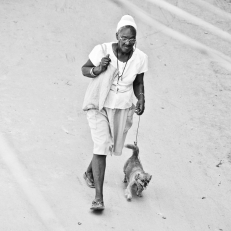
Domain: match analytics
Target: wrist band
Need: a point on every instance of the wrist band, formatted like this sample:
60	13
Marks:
142	94
92	73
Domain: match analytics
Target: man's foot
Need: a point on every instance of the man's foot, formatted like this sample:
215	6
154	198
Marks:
88	181
97	205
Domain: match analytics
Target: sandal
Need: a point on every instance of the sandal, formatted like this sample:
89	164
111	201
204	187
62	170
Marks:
88	181
97	205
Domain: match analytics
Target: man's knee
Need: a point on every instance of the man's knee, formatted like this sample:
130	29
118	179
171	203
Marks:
97	156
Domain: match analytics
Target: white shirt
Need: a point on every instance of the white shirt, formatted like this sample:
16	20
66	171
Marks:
121	93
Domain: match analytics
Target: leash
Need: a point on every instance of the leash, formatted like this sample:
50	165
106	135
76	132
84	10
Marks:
137	132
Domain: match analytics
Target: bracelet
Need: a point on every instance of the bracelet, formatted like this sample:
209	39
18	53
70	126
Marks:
92	73
142	94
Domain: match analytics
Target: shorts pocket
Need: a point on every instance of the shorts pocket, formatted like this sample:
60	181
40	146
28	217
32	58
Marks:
129	120
91	117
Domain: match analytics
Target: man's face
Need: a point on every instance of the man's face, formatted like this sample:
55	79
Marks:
126	39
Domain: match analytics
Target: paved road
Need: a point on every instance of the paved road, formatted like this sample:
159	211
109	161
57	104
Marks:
184	134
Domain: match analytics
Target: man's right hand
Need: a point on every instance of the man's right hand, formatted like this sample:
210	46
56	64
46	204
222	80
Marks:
105	61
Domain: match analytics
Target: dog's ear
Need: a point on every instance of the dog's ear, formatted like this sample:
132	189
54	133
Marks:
149	177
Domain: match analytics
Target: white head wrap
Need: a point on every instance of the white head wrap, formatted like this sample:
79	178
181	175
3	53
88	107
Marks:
126	20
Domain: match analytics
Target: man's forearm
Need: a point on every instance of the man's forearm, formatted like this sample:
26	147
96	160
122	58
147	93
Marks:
86	72
139	90
91	73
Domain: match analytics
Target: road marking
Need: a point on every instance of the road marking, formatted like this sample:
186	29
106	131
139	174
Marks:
193	19
34	196
214	9
214	55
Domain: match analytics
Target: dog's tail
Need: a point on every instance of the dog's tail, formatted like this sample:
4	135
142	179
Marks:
134	148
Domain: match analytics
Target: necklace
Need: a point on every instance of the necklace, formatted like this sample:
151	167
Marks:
120	76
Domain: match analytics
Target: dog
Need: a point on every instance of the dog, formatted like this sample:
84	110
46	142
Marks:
134	173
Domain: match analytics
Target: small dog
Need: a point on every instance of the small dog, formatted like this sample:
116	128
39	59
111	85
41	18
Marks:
134	173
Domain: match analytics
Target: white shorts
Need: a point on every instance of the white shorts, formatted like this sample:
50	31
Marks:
109	129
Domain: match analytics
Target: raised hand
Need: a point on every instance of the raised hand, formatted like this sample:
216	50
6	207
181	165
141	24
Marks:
105	61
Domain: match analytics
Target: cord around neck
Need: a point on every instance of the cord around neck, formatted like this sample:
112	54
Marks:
120	76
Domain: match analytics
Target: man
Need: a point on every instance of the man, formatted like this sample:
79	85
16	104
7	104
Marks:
110	125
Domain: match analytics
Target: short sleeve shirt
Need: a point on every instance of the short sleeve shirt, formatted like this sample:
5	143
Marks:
121	93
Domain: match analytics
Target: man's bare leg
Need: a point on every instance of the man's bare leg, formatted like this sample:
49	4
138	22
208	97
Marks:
89	172
98	169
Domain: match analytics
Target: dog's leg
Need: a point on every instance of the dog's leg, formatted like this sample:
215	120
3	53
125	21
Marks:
128	191
139	192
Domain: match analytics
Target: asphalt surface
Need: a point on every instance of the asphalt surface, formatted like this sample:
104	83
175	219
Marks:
45	143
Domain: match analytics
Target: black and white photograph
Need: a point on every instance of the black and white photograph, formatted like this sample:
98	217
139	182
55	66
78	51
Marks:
115	115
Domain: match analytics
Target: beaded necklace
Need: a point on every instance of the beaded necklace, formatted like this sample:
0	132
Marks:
120	76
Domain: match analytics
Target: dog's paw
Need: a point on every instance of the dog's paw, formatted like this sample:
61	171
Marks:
139	194
128	194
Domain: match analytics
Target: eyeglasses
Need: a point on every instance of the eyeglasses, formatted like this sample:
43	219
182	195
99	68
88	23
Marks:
125	40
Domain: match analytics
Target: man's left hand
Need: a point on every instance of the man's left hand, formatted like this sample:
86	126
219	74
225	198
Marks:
140	106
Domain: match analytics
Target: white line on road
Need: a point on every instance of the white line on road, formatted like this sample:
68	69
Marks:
193	19
214	9
222	59
34	196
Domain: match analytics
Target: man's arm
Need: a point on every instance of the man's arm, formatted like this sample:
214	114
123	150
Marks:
86	68
138	87
89	72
